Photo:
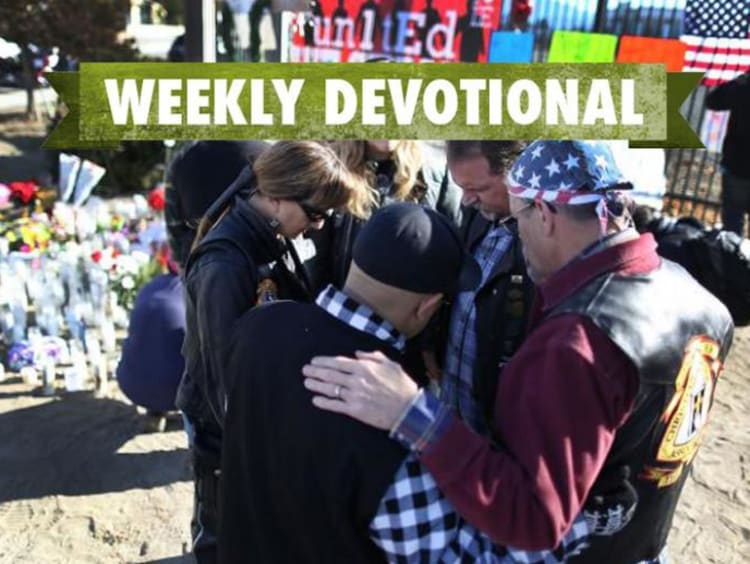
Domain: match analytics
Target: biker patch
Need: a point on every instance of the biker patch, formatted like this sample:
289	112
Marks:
685	417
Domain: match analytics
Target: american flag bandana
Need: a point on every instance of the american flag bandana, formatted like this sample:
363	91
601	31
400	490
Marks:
566	172
717	34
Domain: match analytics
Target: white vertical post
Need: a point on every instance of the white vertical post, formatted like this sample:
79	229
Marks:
208	15
284	38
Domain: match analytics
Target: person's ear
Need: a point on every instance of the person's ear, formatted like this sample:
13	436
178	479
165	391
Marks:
275	205
428	306
549	218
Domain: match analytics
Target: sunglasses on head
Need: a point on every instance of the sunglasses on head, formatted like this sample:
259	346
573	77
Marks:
314	214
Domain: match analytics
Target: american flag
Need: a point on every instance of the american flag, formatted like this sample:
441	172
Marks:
717	34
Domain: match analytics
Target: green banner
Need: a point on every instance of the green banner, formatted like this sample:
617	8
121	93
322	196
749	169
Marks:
112	102
679	87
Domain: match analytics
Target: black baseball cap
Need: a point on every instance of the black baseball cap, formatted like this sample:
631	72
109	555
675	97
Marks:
414	248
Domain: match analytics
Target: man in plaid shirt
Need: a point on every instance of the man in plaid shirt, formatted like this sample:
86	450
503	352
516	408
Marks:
487	324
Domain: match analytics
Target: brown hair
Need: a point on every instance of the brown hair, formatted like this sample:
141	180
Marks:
300	171
500	155
408	158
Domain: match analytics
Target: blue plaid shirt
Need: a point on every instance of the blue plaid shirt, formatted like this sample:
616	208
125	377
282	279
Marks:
461	354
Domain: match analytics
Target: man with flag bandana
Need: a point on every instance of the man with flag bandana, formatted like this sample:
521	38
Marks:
611	375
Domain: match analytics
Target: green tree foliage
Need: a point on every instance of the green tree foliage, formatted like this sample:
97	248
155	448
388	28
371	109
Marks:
88	30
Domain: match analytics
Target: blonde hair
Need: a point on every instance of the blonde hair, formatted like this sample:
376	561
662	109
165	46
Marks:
408	159
300	171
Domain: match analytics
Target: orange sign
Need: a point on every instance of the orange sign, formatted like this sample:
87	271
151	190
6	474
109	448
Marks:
670	52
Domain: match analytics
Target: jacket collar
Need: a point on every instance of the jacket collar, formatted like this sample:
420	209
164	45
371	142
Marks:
630	257
360	317
248	229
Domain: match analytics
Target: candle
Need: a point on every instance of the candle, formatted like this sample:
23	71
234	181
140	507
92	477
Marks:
30	375
109	338
48	378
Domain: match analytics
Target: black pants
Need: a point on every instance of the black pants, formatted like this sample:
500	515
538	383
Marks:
207	475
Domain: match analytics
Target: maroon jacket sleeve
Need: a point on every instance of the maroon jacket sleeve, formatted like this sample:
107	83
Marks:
558	405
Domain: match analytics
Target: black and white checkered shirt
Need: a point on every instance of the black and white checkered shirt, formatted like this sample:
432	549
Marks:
359	316
416	523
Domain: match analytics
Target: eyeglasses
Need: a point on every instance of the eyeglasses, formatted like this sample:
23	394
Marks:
515	215
313	214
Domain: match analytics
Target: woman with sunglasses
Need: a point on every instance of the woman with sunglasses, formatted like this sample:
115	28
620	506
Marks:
242	256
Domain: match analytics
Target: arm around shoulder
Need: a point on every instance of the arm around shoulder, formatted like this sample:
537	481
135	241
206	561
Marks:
526	488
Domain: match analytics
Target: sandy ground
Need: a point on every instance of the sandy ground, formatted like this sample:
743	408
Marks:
81	481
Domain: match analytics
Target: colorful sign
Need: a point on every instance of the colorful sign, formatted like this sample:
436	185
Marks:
670	52
402	30
582	47
511	47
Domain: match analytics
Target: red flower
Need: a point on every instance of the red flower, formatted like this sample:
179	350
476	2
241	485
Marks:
96	256
156	198
23	191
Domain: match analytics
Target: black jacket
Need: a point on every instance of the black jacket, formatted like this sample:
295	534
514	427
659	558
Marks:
221	280
335	241
502	310
299	484
734	96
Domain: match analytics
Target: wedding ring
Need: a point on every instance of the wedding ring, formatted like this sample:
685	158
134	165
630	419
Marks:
337	391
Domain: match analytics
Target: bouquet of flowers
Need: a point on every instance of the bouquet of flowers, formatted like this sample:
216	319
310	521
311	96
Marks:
23	353
127	273
26	235
23	191
19	198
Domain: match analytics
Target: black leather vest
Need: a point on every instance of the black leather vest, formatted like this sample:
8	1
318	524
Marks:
677	335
